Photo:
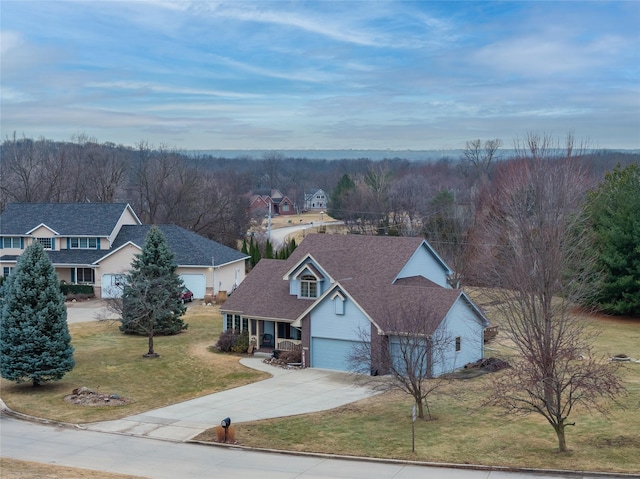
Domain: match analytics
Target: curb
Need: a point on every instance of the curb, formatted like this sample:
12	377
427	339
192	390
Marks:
377	460
4	409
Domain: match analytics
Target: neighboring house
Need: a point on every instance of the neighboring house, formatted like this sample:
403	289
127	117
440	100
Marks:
94	243
315	199
336	291
280	204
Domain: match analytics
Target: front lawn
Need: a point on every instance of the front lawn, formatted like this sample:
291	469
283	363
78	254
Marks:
466	433
463	432
108	361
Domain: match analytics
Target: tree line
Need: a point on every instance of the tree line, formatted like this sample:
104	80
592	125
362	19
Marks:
445	201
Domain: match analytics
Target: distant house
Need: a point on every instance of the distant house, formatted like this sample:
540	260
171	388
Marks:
335	288
315	199
280	204
94	243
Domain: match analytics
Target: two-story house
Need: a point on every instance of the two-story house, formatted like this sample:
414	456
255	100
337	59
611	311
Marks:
280	204
337	291
315	199
94	243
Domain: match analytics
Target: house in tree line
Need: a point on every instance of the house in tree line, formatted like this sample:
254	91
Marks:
337	291
280	204
94	244
315	199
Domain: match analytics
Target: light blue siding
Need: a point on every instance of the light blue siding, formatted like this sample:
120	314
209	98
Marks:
333	336
423	263
461	321
329	353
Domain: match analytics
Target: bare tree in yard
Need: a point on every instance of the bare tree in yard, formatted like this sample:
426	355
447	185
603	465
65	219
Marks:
410	348
539	264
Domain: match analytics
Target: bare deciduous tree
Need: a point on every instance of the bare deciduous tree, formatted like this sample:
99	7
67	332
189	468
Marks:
536	256
412	346
481	155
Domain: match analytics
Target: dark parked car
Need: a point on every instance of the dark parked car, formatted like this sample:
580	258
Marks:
186	295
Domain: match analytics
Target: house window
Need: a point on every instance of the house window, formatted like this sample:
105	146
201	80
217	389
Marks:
47	243
229	325
308	286
6	271
245	324
458	343
286	331
85	275
83	243
11	242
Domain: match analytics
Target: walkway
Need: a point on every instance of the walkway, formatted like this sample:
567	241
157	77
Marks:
288	393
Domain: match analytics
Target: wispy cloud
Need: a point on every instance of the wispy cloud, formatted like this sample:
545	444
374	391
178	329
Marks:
331	74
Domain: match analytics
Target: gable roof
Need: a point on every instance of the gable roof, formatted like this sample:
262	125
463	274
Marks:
265	296
358	256
363	267
189	248
66	219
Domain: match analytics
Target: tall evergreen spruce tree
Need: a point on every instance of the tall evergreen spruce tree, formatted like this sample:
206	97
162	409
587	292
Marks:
151	296
35	344
613	209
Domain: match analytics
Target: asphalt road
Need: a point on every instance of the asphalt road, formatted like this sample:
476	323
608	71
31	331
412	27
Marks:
67	446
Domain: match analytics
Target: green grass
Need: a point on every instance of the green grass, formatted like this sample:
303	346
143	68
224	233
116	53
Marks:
111	362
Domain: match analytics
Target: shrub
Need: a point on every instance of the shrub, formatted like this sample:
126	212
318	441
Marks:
78	291
233	341
241	344
291	356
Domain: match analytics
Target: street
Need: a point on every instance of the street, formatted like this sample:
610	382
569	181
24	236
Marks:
73	447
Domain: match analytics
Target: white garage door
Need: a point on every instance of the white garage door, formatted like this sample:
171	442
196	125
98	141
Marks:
197	283
331	353
111	285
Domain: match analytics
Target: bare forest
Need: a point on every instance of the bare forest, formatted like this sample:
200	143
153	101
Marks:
443	200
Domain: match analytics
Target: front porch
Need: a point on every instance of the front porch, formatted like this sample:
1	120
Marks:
265	335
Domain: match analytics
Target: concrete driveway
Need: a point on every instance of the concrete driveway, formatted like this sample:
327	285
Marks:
288	393
87	310
94	310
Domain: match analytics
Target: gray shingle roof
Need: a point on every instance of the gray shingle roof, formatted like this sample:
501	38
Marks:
266	295
99	220
365	268
67	219
189	248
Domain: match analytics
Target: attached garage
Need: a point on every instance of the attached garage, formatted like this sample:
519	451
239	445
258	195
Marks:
197	283
111	285
329	353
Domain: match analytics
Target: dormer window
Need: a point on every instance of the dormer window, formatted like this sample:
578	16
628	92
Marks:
308	286
47	243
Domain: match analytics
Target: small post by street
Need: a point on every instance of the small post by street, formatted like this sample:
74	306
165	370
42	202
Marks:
413	429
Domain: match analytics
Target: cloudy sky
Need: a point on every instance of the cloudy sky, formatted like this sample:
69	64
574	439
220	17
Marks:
320	75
